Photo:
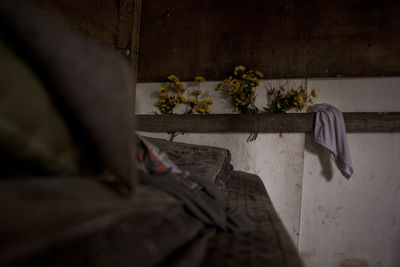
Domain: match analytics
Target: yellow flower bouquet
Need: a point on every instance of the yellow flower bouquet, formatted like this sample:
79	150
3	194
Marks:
239	87
172	94
285	99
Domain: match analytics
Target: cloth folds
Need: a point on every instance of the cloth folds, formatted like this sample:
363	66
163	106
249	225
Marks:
207	210
77	76
330	132
156	162
156	169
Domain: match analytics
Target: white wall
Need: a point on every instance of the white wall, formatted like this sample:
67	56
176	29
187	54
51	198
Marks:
354	222
333	221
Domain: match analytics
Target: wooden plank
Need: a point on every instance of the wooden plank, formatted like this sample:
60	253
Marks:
262	123
135	33
282	39
96	19
372	122
125	24
114	23
128	34
128	29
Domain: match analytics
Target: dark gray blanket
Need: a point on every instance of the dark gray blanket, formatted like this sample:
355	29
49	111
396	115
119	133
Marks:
93	226
267	245
208	166
201	206
76	221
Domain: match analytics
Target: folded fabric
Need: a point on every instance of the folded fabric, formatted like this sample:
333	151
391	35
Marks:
34	137
156	169
330	132
156	161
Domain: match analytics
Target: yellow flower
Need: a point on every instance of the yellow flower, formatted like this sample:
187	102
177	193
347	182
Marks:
259	74
199	79
238	69
235	82
197	92
182	98
173	78
180	86
208	101
246	76
314	93
154	110
162	90
194	101
208	110
177	101
300	99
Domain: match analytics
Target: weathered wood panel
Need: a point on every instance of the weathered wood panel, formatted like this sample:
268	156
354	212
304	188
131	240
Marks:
97	19
262	123
113	23
280	38
128	29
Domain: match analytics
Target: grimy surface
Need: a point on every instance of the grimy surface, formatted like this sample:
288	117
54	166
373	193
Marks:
280	38
264	123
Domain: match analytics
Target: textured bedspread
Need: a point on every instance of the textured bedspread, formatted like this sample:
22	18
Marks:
268	245
92	227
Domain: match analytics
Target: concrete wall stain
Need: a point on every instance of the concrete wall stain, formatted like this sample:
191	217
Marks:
354	263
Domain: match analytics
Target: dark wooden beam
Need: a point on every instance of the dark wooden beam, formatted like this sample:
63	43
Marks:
127	40
128	29
113	23
96	19
283	39
263	123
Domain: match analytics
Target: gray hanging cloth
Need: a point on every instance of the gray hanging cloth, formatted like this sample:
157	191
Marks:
330	132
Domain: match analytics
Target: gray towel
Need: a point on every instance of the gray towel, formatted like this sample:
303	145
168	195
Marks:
330	132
